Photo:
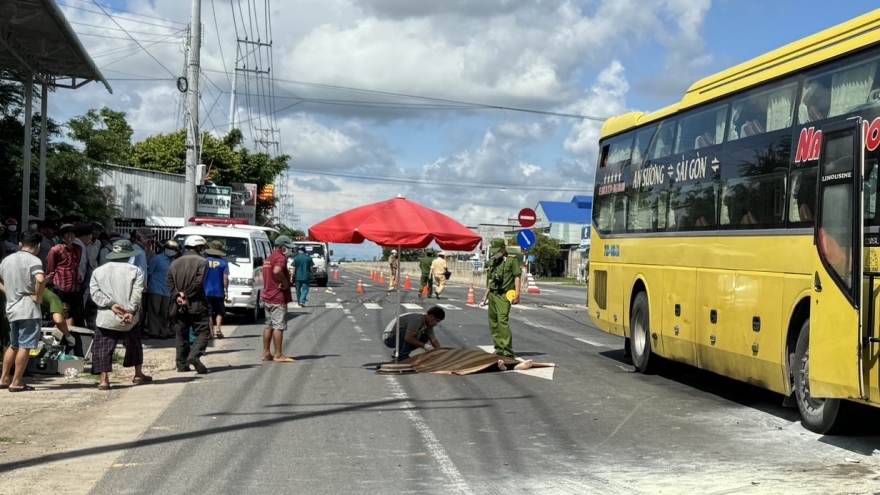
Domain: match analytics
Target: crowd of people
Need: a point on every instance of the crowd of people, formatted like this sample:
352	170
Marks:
75	274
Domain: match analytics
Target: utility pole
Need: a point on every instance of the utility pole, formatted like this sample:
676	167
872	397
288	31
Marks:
234	87
193	139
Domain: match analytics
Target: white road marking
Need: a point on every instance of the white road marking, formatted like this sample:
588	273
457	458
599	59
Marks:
411	306
590	342
522	306
545	373
449	306
454	478
372	306
348	312
331	305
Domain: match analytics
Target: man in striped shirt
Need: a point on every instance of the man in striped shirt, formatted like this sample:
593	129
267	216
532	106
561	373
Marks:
62	266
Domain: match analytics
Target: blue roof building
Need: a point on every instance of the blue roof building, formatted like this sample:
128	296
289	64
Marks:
567	222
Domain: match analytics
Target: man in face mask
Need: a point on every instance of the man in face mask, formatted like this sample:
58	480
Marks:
9	236
503	276
158	295
12	230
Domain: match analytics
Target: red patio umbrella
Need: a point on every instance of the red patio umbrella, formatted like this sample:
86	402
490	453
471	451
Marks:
396	223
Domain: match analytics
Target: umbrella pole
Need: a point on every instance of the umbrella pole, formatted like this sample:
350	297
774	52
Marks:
397	318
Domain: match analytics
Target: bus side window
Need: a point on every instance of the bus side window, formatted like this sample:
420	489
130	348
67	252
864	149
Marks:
755	201
842	90
701	129
764	110
802	205
661	146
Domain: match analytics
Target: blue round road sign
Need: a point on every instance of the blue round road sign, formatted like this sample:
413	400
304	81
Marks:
526	239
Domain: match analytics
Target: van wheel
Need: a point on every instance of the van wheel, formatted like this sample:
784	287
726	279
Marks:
322	282
824	416
640	340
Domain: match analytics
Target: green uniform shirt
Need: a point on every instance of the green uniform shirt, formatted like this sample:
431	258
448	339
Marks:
509	270
425	264
51	305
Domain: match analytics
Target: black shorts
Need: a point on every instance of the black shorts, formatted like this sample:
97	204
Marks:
216	306
73	300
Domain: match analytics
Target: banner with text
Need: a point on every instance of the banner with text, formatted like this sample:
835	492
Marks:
213	201
244	202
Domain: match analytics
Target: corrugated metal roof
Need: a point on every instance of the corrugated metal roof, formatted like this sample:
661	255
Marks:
36	37
142	193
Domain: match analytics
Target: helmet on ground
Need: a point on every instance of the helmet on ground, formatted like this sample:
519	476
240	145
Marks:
172	244
195	241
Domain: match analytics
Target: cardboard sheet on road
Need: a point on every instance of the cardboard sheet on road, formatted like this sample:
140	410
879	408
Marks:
448	361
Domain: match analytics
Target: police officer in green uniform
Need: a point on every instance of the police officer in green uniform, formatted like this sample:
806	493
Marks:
425	268
504	275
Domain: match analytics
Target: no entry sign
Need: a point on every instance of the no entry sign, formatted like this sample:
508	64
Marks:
527	217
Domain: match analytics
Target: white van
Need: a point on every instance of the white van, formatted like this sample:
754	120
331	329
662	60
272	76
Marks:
246	249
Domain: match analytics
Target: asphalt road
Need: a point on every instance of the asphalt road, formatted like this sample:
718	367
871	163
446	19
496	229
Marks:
329	424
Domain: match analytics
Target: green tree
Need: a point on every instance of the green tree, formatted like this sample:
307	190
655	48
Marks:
227	161
546	252
105	135
404	254
71	178
289	232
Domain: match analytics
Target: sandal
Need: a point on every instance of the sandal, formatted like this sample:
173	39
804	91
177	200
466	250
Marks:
24	388
103	387
219	335
140	381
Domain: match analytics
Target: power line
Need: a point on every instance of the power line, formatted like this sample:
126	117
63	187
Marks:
460	104
121	38
133	13
117	16
117	29
220	44
432	181
136	41
120	49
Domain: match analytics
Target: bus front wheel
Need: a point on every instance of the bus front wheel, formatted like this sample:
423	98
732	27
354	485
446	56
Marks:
640	338
822	416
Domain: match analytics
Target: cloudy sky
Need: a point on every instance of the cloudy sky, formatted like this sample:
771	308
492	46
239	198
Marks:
378	98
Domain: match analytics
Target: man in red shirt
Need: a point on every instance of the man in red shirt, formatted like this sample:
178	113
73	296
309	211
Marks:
276	295
62	272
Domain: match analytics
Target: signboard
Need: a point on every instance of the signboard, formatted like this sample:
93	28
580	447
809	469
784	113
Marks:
213	201
527	217
268	192
244	202
526	239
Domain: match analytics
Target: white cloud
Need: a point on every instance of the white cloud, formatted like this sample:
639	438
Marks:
552	55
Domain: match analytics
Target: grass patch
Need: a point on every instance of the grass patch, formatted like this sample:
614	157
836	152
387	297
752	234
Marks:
7	440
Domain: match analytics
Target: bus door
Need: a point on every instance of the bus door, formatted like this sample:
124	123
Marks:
835	358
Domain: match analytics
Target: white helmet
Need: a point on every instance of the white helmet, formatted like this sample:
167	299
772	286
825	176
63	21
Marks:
194	241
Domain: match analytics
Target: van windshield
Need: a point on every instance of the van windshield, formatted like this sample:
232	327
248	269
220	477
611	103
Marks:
311	249
234	247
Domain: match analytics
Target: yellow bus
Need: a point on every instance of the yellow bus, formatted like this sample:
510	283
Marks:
737	230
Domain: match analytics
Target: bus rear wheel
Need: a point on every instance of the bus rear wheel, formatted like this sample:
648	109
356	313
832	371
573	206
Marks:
823	416
640	338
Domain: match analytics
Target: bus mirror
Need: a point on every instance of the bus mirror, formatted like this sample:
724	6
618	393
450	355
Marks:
331	252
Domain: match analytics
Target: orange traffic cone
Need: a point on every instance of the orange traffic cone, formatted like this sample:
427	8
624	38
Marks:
374	277
360	285
471	301
425	291
335	274
406	284
382	278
